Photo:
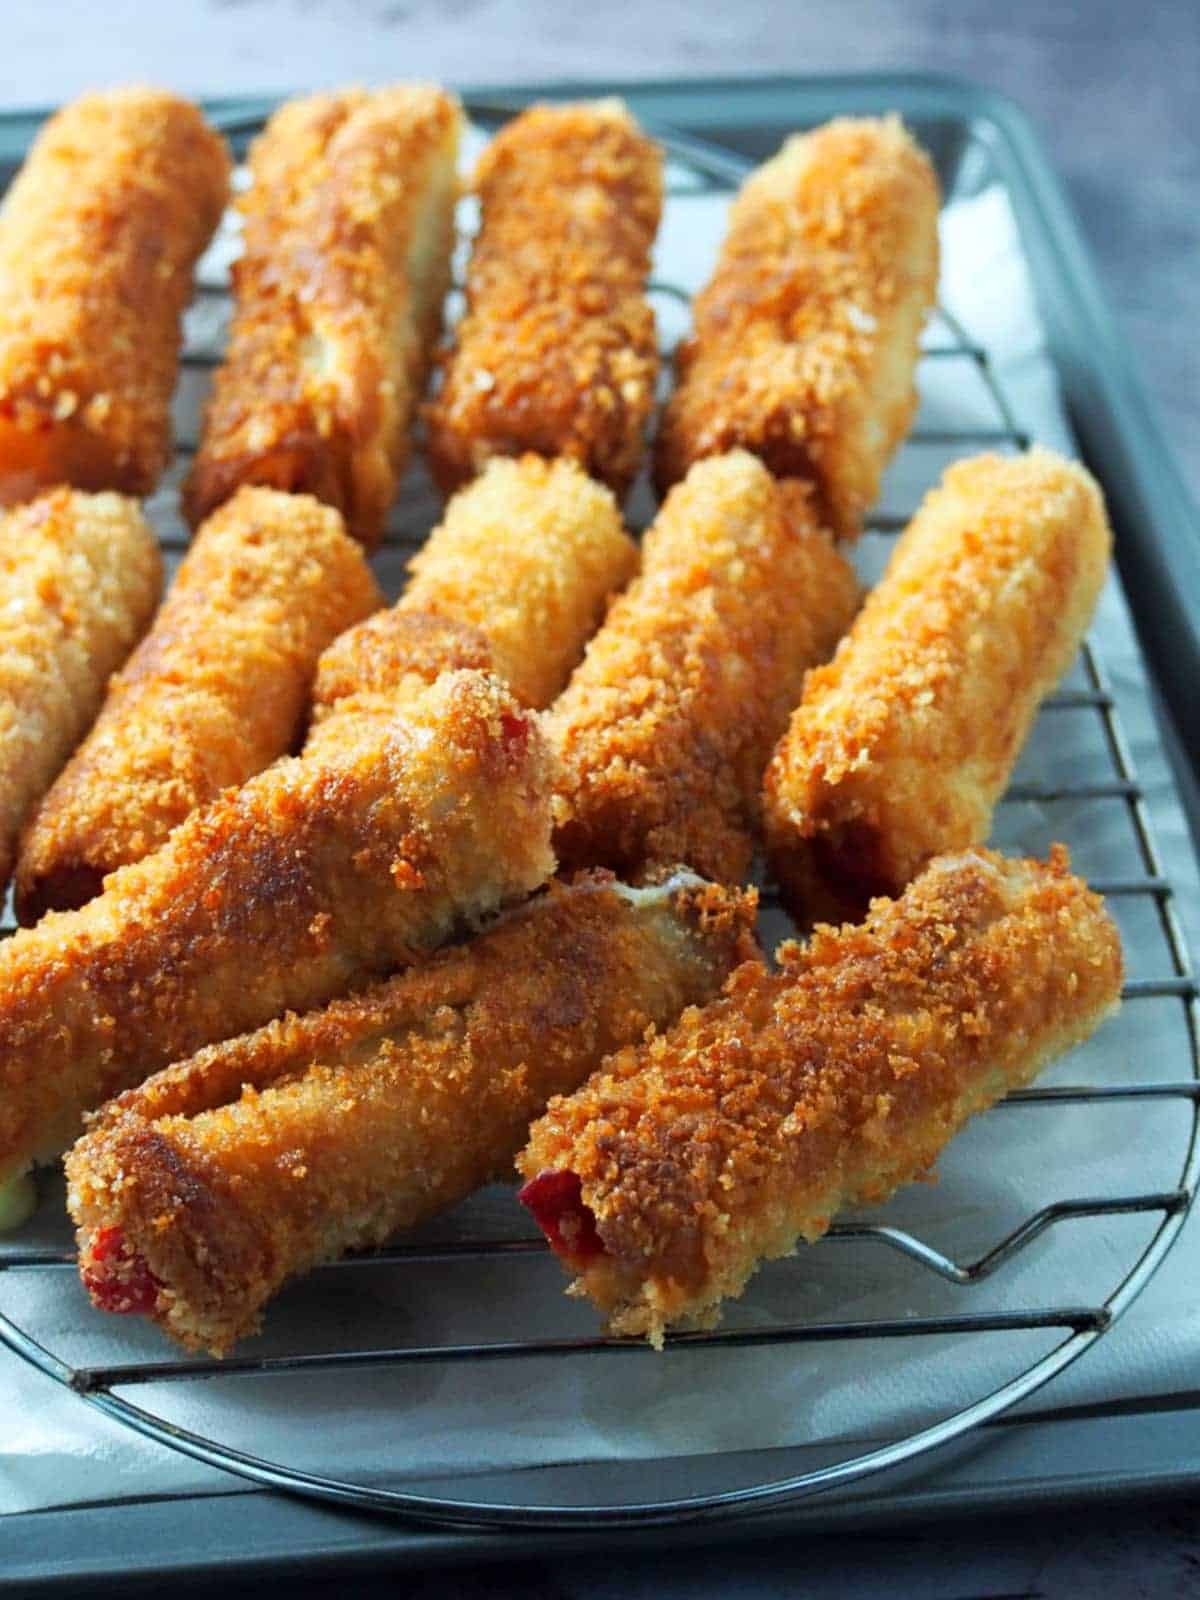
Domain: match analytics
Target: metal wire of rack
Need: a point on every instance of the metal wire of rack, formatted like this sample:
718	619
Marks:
1081	1325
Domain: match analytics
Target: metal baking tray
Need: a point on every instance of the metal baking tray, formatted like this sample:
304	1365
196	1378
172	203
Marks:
1006	1462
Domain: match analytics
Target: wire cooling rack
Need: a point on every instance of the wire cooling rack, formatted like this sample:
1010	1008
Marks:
1073	1325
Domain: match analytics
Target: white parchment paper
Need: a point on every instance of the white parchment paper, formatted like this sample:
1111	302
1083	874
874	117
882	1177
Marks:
423	1421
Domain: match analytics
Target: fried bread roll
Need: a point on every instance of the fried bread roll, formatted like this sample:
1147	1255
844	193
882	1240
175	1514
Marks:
530	554
80	575
515	579
805	338
664	729
688	1160
313	878
556	352
214	693
347	227
200	1193
903	744
99	234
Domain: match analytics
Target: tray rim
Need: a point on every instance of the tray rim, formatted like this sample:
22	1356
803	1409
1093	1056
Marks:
307	1538
1080	324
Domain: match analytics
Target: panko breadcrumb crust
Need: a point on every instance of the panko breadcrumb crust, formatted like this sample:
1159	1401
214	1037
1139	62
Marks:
557	351
99	234
347	231
530	553
904	742
665	727
749	1125
316	876
213	694
373	668
80	575
804	341
261	1157
514	580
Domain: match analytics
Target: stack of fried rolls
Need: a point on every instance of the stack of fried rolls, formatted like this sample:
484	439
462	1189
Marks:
260	972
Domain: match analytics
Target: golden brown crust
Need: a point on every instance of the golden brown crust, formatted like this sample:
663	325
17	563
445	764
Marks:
805	338
745	1128
664	729
98	237
556	352
316	876
347	229
214	693
373	668
530	554
259	1158
80	576
904	742
377	655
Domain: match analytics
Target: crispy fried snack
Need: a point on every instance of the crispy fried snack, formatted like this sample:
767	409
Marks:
557	350
200	1193
689	1159
805	338
348	227
80	576
664	729
214	693
515	580
315	877
98	237
903	744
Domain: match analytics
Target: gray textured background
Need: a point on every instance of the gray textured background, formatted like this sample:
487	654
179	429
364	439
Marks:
1112	85
1114	89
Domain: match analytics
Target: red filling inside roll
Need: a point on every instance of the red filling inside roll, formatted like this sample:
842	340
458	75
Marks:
555	1200
117	1278
515	730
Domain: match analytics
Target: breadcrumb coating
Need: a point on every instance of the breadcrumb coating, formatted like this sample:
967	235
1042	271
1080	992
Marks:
80	575
347	227
756	1119
804	340
373	668
313	878
664	729
557	351
902	745
515	580
259	1158
213	694
530	554
99	234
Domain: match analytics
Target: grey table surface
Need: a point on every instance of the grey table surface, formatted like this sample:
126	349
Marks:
1113	87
